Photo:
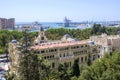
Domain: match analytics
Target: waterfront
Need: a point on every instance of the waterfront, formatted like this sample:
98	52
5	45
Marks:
73	25
48	25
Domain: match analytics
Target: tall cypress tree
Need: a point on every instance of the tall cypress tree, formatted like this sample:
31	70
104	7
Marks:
28	65
28	69
25	41
75	68
89	62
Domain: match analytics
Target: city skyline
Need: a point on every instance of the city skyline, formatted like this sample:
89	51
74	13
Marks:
55	10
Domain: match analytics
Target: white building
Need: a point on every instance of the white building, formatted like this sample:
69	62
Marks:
108	43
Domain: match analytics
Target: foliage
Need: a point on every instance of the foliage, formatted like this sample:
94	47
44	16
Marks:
33	67
9	76
75	68
106	68
97	29
27	67
1	51
47	73
6	36
56	34
74	78
62	72
89	62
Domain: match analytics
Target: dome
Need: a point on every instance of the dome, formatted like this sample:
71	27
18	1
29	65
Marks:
14	41
71	39
118	32
91	42
75	39
66	36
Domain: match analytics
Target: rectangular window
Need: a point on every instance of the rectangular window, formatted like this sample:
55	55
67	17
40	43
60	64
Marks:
45	57
55	49
81	46
42	51
81	59
53	65
77	46
60	55
51	50
74	47
64	55
52	56
85	45
46	51
85	58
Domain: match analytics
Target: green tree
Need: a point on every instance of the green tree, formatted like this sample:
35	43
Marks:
47	73
75	68
103	29
85	73
74	78
96	29
9	76
25	42
62	71
106	68
28	69
89	62
17	35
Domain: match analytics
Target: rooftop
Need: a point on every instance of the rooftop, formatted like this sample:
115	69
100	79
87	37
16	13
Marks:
58	44
105	36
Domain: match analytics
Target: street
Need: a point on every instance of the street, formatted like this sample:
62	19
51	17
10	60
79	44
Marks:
4	62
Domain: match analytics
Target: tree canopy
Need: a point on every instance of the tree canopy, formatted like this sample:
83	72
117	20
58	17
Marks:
106	68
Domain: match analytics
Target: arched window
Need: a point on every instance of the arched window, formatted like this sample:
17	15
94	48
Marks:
42	38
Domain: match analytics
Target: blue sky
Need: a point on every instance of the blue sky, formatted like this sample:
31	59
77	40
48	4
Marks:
56	10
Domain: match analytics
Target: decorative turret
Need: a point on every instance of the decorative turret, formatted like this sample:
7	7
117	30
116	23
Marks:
41	29
41	36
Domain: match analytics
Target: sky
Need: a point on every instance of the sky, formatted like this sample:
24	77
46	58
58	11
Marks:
56	10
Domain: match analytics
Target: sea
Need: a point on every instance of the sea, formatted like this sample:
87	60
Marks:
48	25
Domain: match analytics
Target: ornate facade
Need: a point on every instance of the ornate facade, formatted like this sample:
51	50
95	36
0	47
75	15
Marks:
68	49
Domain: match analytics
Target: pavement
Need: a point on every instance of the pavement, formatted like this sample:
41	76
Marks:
3	65
2	72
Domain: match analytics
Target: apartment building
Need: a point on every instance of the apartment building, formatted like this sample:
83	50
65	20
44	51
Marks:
7	23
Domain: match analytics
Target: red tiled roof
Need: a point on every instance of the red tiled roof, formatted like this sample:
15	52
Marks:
55	45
